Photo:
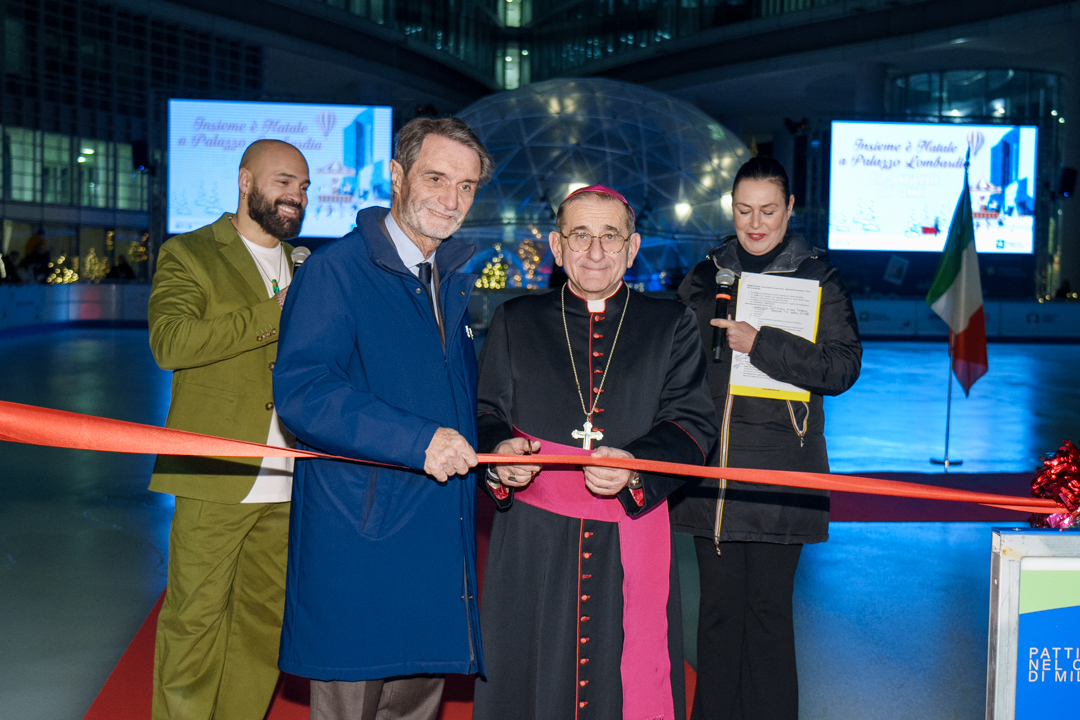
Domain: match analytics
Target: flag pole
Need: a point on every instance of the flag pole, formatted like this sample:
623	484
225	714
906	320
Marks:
948	417
956	297
948	413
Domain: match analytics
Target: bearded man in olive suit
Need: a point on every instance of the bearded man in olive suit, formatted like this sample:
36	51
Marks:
214	314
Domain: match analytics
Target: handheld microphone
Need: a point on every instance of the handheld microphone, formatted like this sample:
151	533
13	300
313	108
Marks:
299	255
724	280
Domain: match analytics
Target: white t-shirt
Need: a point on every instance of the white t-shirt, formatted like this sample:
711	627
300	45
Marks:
274	482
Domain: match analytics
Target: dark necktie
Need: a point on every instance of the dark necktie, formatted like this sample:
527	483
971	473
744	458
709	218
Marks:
424	274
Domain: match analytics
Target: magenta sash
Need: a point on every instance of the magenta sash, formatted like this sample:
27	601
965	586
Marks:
645	548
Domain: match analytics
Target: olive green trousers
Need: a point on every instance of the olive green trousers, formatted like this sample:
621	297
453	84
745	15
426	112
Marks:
215	656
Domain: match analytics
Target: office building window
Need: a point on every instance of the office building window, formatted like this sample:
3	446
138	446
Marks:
133	246
78	75
58	169
56	172
15	236
96	169
22	163
1004	94
130	183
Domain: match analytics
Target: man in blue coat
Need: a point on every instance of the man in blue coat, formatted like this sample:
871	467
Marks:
376	361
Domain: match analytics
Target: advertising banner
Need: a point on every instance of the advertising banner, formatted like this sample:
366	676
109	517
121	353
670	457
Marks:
894	186
1033	654
1048	663
347	148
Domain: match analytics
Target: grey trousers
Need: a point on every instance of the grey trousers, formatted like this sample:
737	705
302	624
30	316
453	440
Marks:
416	697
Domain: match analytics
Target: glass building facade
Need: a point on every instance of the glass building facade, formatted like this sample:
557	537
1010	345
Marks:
521	41
1013	94
84	85
80	83
467	30
57	169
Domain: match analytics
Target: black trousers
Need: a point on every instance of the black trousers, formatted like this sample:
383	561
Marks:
746	633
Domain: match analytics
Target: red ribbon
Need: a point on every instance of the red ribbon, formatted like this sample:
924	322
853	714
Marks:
33	425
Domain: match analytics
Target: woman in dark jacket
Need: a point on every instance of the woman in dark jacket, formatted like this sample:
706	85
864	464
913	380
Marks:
749	537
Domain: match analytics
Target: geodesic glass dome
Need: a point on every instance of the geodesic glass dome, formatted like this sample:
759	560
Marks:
673	163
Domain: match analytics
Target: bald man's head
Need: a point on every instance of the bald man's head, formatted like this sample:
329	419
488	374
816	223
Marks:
261	151
273	187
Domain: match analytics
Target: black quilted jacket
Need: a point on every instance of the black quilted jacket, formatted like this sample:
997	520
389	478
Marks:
761	432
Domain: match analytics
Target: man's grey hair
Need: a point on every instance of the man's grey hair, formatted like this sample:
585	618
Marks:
411	138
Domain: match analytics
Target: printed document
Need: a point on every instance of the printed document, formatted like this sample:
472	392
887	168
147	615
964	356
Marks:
787	303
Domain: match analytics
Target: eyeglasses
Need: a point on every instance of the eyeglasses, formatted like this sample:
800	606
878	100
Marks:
580	242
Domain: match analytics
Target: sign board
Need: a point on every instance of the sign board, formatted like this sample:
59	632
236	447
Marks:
347	148
1033	664
894	186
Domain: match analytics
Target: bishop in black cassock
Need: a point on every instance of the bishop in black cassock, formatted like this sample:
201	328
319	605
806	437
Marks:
552	602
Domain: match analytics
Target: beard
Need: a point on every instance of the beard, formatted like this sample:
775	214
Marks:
265	213
412	215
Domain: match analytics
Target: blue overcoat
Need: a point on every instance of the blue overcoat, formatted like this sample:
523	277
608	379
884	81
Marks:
382	562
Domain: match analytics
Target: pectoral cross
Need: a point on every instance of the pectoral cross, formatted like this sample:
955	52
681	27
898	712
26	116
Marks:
587	435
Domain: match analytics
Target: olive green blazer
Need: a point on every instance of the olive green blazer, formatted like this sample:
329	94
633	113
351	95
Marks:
213	324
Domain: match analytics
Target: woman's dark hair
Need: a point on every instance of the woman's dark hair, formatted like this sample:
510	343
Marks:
763	168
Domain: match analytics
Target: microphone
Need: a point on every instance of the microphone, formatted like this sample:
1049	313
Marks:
724	280
299	255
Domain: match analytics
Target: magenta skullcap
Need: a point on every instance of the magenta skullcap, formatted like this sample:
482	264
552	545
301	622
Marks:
603	190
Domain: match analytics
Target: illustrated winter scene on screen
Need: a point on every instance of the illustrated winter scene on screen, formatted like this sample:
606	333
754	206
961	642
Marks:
894	186
347	148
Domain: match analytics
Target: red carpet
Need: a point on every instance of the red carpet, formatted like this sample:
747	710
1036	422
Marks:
127	693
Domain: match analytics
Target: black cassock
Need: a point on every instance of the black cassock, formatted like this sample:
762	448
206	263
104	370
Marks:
655	405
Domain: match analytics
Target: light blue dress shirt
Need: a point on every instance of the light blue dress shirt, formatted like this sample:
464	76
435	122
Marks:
407	250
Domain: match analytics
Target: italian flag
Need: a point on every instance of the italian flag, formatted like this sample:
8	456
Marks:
956	295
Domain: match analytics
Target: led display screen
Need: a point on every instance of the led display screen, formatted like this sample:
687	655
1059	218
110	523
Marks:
895	186
347	148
